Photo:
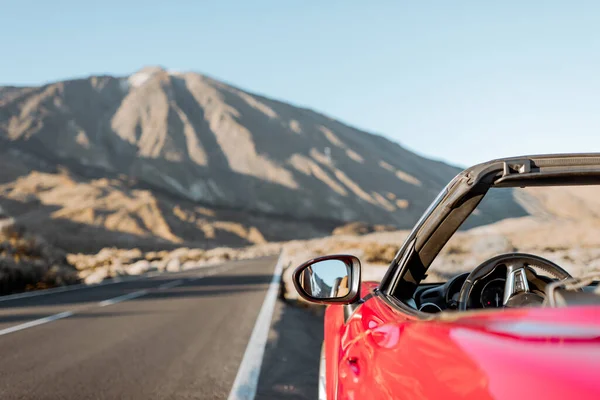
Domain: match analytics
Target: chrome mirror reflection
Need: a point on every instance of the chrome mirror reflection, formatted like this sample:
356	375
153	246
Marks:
326	279
330	279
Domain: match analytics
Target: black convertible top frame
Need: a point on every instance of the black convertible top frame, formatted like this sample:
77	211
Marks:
460	198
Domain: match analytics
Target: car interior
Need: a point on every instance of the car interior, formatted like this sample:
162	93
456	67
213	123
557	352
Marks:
489	290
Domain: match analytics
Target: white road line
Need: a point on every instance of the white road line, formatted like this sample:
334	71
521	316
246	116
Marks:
246	381
71	288
36	322
119	299
210	273
104	303
170	285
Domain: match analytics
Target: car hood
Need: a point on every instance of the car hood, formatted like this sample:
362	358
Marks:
573	323
539	352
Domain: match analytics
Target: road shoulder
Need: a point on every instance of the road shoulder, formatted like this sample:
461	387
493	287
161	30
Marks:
291	362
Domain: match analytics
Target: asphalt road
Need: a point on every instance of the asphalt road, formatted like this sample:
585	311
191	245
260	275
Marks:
173	336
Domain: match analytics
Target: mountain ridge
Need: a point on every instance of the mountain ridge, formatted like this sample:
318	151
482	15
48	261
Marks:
213	144
241	88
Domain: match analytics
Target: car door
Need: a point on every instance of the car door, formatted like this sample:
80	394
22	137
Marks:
388	354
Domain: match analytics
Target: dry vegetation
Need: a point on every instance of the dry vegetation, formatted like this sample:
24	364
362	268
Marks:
27	262
111	229
572	244
361	228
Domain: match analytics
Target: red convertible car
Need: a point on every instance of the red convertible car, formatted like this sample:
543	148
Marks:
515	326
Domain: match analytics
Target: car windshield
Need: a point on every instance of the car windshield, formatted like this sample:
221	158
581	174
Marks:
558	223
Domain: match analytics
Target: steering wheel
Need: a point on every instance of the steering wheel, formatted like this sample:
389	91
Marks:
516	289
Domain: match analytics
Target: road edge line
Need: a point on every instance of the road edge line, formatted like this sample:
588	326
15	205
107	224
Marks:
171	284
119	299
36	322
246	380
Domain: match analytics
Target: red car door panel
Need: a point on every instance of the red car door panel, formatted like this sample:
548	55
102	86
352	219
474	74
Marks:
385	354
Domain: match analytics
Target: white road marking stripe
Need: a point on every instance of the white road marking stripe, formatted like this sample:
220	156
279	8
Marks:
119	299
70	288
246	381
211	273
36	322
170	285
104	303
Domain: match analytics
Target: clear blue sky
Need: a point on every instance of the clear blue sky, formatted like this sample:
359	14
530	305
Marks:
462	81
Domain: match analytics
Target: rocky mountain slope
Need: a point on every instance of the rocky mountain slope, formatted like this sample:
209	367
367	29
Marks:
182	158
88	215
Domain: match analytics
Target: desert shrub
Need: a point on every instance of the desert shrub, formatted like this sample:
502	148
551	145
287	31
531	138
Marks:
379	253
361	228
27	262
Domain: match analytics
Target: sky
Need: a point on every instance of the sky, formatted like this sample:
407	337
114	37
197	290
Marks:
459	81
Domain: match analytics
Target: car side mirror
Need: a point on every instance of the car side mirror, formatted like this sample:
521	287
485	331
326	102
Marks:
329	280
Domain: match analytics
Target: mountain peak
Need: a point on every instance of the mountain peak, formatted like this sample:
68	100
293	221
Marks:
140	77
150	69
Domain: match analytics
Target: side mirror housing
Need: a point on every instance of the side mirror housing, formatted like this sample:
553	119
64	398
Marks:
329	280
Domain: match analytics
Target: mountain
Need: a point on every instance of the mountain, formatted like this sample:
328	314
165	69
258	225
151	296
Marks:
176	156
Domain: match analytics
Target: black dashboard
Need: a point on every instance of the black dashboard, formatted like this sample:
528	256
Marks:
436	297
487	292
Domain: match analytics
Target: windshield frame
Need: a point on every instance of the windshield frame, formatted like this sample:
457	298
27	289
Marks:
462	195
